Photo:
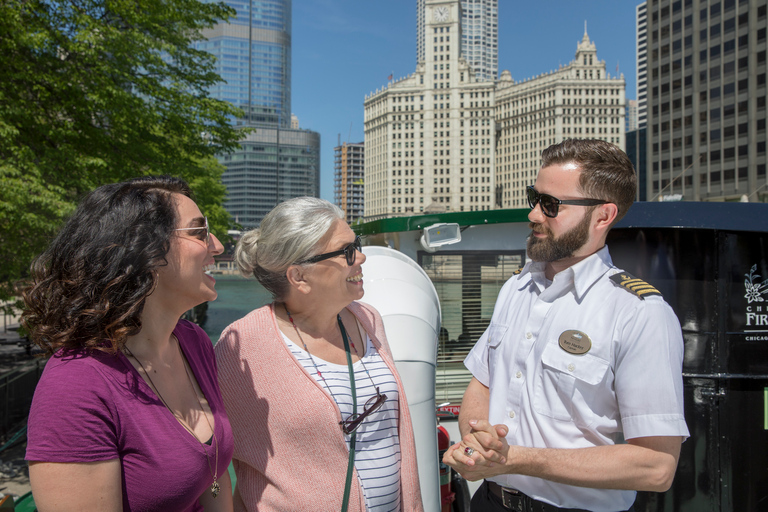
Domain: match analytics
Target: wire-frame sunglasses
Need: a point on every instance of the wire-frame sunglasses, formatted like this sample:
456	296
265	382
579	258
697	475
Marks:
550	205
349	252
353	421
202	233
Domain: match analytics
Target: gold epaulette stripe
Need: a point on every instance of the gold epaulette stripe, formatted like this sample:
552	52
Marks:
640	286
644	289
634	285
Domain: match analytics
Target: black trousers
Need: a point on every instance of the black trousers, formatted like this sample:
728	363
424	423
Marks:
486	501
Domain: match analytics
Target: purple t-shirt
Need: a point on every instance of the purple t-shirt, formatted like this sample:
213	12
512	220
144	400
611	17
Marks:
96	407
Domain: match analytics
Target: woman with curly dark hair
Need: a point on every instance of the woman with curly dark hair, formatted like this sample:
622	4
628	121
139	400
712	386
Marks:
127	414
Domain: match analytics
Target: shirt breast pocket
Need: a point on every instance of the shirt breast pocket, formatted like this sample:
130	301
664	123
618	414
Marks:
495	334
561	373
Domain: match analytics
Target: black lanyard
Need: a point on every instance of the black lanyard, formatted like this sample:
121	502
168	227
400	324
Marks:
351	465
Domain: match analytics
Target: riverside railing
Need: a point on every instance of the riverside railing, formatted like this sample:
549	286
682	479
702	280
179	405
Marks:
16	389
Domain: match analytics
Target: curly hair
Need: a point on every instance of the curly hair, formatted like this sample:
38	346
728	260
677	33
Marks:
88	289
606	171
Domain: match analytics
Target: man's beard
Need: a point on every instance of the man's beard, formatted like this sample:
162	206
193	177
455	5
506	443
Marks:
551	249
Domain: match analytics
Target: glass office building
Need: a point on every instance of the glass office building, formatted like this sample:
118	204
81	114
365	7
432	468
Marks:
276	162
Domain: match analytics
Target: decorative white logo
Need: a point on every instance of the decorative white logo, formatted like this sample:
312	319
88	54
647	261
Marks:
755	290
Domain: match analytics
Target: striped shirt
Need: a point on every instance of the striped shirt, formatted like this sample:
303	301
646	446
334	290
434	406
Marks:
377	446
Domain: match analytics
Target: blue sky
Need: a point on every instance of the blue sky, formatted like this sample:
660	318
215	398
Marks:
346	49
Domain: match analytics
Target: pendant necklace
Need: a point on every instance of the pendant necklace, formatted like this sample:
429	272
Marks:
373	384
215	487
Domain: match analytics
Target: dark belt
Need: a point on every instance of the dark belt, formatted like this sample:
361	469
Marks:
513	499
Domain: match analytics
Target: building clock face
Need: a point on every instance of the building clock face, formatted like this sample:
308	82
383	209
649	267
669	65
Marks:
441	14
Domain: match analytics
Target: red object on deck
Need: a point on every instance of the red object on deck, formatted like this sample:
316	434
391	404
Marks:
446	496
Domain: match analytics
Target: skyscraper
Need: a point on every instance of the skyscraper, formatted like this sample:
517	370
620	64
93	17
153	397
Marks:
276	161
641	45
706	107
348	179
631	118
429	138
479	36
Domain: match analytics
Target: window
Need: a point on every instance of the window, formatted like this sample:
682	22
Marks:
743	41
743	85
467	306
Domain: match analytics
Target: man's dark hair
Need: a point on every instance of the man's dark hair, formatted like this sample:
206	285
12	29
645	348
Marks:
606	171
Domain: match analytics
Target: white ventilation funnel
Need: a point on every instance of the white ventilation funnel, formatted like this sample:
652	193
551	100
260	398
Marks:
406	299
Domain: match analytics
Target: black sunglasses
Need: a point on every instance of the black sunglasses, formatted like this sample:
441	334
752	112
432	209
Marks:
350	252
550	205
373	404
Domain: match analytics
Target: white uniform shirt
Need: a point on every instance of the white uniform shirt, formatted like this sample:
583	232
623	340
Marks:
629	382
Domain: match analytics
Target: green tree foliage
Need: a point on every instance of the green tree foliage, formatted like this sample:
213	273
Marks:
99	91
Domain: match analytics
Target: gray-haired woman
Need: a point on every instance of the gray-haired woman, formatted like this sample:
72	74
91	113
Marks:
318	411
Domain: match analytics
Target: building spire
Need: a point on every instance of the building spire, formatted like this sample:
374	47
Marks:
585	39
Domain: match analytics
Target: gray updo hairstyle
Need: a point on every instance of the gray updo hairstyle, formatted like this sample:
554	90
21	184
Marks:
287	234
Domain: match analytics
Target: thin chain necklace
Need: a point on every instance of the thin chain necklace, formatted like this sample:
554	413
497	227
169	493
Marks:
215	487
290	318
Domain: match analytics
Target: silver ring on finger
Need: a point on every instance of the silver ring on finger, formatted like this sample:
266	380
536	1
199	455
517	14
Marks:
469	451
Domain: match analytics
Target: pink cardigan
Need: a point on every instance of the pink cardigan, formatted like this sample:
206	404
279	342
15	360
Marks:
290	453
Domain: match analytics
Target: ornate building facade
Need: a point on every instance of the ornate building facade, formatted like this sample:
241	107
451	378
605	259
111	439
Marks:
429	138
579	100
440	139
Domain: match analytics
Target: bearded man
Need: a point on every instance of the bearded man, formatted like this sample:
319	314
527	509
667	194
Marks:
576	400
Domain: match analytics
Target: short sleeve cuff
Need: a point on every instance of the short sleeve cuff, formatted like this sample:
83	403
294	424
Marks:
654	425
51	455
477	368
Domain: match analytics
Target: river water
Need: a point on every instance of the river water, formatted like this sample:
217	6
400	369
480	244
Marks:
237	297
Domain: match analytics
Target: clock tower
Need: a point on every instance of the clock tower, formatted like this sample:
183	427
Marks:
429	137
441	14
445	12
442	39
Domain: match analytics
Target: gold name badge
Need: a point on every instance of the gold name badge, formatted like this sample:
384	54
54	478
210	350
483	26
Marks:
575	342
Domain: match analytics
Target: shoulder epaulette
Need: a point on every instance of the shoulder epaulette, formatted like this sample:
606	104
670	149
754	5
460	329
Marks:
634	285
517	271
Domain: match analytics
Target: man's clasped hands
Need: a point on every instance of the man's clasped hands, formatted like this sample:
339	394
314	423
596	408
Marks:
482	453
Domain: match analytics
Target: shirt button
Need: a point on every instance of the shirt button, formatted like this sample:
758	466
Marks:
519	375
528	335
571	367
511	414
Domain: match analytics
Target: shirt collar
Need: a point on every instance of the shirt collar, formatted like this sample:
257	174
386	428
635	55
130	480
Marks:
583	274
